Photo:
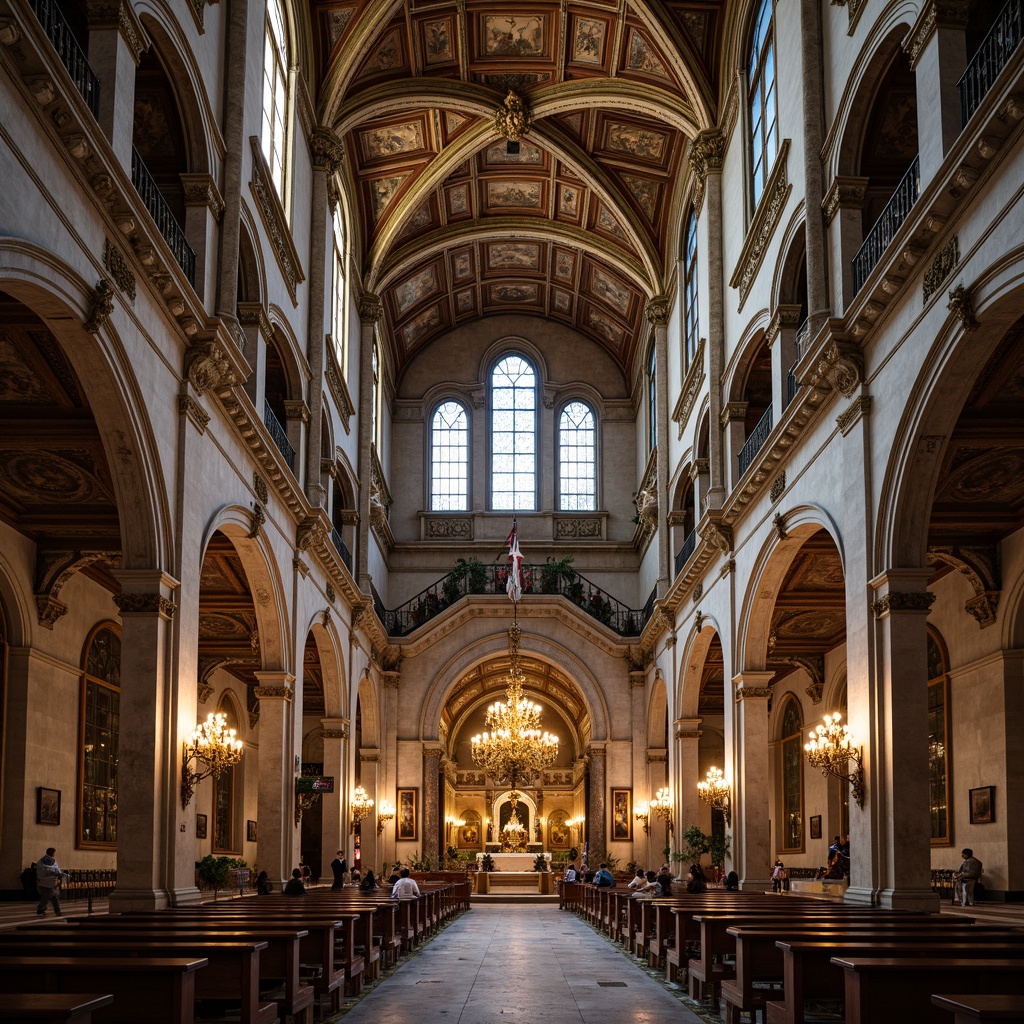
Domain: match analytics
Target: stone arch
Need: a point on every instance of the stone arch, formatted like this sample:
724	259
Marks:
366	695
766	578
332	665
290	352
746	351
508	345
657	715
63	300
252	271
789	284
15	614
695	653
263	575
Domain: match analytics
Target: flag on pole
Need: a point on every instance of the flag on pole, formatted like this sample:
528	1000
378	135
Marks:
514	586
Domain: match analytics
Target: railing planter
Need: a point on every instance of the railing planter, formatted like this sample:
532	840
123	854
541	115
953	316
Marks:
756	441
989	59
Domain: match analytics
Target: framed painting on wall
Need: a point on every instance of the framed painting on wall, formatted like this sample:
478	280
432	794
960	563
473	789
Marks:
622	815
983	805
815	826
408	816
469	833
47	806
250	831
200	826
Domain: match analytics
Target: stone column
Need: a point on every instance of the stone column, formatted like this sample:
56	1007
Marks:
327	153
391	681
278	846
370	311
296	424
334	834
733	432
751	795
640	769
896	768
937	48
116	43
431	830
256	329
688	734
203	211
657	312
149	758
781	338
369	779
597	826
706	153
843	204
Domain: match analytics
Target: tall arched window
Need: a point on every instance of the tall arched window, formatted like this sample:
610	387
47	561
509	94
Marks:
224	792
514	436
577	459
761	98
690	284
652	400
449	458
275	93
101	709
339	330
792	829
938	741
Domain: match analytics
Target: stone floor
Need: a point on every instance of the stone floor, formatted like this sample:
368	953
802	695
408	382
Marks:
519	965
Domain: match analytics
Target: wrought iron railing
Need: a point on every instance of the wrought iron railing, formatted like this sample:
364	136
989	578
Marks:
648	609
683	555
480	578
791	385
167	224
278	434
801	337
72	56
342	548
989	59
885	228
755	441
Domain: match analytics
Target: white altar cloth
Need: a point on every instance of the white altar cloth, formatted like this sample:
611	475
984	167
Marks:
513	861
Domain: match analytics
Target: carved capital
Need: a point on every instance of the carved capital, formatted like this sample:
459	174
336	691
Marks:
753	693
49	610
327	149
845	193
719	536
657	311
274	693
145	604
898	601
201	190
189	407
370	308
840	367
706	153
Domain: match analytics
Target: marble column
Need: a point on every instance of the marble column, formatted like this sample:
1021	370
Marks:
148	756
370	311
597	826
707	151
897	768
687	733
430	826
278	845
334	834
751	791
657	313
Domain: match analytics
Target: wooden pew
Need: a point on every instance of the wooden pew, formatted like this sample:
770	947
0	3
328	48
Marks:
50	1007
146	990
982	1007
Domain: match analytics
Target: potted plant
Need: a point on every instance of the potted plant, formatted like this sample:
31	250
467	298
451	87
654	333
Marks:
214	873
553	571
487	863
718	849
540	862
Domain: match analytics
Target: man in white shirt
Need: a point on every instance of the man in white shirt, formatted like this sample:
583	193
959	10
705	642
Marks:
405	886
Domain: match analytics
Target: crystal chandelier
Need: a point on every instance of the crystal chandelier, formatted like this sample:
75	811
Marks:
513	748
213	742
831	749
716	791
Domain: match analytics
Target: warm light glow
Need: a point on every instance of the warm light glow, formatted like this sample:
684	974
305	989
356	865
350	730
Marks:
385	812
831	749
716	791
213	742
360	805
643	814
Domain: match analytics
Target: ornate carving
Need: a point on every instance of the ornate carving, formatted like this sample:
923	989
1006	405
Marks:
329	591
206	367
114	261
646	502
718	536
981	565
274	219
845	193
259	517
637	680
942	266
327	618
898	601
853	412
706	153
579	529
657	311
201	190
338	387
119	14
946	12
753	692
698	591
49	610
327	150
145	604
778	486
194	411
310	533
983	607
284	693
335	734
698	621
259	485
728	566
370	308
204	692
840	367
961	305
692	383
101	307
448	529
512	119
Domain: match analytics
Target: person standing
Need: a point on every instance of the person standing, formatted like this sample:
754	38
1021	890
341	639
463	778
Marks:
339	868
48	882
968	875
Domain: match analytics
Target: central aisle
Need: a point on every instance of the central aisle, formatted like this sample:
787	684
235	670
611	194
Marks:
519	965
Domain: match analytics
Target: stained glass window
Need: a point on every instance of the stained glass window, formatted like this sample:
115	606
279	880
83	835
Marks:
101	709
577	459
792	778
514	436
938	744
449	458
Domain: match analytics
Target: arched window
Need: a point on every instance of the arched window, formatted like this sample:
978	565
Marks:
449	458
652	400
514	436
792	778
275	93
577	459
224	792
101	708
761	98
339	331
692	328
938	741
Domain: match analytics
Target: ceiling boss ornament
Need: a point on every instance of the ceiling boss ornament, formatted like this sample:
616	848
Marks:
512	119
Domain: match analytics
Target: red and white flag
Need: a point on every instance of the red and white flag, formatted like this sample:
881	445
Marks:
514	586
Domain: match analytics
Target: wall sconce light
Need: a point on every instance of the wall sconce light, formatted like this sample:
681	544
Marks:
360	805
385	813
831	749
450	825
643	814
661	805
574	824
213	742
715	791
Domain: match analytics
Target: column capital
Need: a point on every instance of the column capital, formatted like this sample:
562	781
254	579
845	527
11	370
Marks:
120	15
785	317
370	308
687	728
334	728
275	685
845	193
201	190
902	590
707	151
752	685
935	13
326	149
657	311
145	592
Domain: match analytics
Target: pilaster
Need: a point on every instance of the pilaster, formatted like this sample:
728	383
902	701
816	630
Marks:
334	835
432	832
657	311
278	846
752	854
597	826
370	311
781	338
687	732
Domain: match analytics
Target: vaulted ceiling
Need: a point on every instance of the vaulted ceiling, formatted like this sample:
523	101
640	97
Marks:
581	225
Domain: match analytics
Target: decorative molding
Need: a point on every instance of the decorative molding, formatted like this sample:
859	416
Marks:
579	528
207	366
981	565
449	528
899	601
935	13
718	535
274	220
370	308
100	308
753	693
778	487
779	524
698	591
49	610
284	693
762	227
785	317
201	190
728	567
845	193
334	734
961	305
840	366
259	517
853	413
117	13
329	592
707	150
326	150
657	311
338	387
943	265
692	384
189	407
259	486
145	604
114	261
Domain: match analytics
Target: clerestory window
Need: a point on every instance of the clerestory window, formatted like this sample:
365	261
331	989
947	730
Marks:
514	435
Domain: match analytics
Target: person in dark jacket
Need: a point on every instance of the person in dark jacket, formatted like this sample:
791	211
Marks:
294	886
263	886
369	883
339	868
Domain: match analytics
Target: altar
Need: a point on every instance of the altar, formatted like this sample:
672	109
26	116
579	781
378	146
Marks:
513	861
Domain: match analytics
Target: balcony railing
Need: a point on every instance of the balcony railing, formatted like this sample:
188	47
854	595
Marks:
756	441
801	337
885	228
492	579
791	385
342	548
279	435
683	556
72	56
164	219
990	59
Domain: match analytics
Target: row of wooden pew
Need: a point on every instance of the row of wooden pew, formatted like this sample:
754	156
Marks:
256	960
776	955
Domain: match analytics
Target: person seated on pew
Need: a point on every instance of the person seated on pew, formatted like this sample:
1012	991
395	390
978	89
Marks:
639	880
665	880
651	887
395	875
263	886
294	886
356	876
369	883
405	886
732	882
604	879
570	873
696	881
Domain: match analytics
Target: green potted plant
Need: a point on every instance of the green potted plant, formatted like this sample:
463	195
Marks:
718	849
214	873
553	571
540	862
487	863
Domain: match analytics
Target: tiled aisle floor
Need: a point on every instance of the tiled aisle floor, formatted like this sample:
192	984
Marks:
519	965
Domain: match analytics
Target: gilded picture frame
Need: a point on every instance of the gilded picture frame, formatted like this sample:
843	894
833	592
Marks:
407	827
622	815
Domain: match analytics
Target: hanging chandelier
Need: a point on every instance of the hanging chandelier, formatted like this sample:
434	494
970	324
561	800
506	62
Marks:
513	748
